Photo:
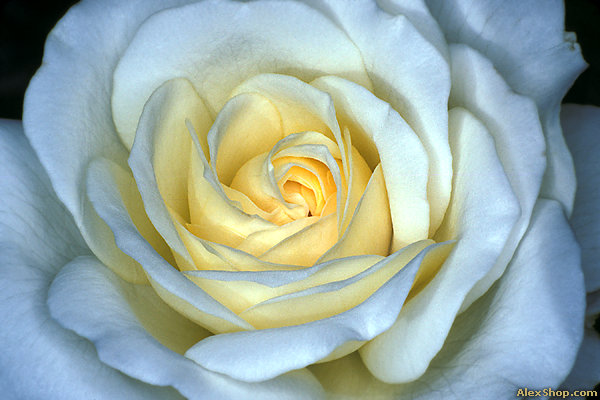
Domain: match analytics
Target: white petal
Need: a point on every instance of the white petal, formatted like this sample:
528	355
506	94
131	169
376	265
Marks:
419	15
481	214
88	298
524	332
514	124
67	115
582	132
262	354
411	75
170	283
526	42
38	357
217	45
403	158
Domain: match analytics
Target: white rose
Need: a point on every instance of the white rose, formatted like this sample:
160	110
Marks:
281	199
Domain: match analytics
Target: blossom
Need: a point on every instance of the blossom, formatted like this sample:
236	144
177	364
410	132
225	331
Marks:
295	199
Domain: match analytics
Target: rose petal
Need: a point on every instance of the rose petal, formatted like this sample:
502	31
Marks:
217	45
333	298
170	284
411	75
524	332
306	246
477	87
262	354
370	229
302	107
403	159
242	290
38	357
482	213
213	216
419	15
542	66
67	115
582	132
172	108
248	125
121	320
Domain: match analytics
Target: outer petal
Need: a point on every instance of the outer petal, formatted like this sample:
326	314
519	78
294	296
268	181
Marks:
67	114
412	76
524	332
582	132
526	42
219	44
262	354
89	299
514	124
170	284
38	357
403	159
482	212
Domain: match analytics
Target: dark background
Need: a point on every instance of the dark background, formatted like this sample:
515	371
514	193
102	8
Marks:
24	25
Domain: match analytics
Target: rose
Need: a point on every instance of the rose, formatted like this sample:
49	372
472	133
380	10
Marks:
127	320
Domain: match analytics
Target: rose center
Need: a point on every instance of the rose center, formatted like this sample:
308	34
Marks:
307	183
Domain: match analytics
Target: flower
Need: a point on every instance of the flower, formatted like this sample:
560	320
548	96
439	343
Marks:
279	199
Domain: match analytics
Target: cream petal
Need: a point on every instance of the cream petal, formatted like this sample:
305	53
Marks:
177	105
370	229
542	65
478	87
130	326
39	358
482	212
411	75
244	289
248	125
217	45
306	246
262	354
524	332
403	159
333	298
302	107
67	111
169	283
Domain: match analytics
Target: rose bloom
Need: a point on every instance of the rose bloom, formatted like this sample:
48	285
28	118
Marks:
300	199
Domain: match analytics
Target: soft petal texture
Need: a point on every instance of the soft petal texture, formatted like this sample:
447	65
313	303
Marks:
89	299
481	214
248	125
234	42
162	131
71	124
542	65
39	357
513	123
419	15
262	354
170	284
582	132
403	159
496	346
412	76
370	229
